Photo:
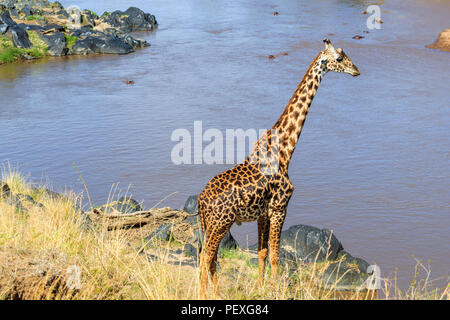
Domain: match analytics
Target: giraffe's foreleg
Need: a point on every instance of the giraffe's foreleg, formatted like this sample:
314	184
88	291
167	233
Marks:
263	239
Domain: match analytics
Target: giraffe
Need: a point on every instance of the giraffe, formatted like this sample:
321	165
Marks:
259	188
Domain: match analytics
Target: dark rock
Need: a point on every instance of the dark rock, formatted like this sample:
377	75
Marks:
51	194
163	232
193	221
123	205
18	35
53	26
25	198
134	42
84	31
26	10
190	206
5	191
5	18
56	43
85	220
89	17
133	19
31	27
309	244
15	202
58	5
228	242
63	14
362	264
190	251
102	44
3	29
342	276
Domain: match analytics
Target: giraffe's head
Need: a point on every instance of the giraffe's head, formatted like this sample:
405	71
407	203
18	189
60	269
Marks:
336	60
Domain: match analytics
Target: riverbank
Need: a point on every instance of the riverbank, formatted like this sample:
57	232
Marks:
52	249
34	29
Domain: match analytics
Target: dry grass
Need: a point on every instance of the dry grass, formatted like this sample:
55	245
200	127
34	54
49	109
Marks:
43	246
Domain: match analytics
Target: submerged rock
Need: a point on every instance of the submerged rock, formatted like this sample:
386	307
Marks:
442	42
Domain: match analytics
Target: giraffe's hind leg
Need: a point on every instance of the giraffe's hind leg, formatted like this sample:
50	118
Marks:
263	239
209	255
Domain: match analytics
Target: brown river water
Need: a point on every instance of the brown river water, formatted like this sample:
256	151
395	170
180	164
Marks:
372	163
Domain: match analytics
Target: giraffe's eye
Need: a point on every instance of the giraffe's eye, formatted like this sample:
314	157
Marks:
339	59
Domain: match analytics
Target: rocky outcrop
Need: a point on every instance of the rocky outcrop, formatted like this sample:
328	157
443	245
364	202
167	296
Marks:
63	34
13	31
303	244
442	42
133	19
56	42
101	43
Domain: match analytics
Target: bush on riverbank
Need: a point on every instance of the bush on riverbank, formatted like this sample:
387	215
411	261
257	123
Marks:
44	245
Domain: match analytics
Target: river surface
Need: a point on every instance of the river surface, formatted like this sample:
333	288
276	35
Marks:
372	163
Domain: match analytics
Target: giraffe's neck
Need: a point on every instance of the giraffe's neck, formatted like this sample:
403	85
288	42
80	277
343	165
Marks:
289	125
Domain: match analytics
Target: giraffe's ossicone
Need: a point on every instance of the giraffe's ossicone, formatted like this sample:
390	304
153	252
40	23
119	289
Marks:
260	188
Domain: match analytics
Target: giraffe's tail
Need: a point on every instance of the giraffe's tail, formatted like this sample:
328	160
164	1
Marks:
200	210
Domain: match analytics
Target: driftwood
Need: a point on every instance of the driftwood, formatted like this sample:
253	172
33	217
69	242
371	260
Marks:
116	220
48	31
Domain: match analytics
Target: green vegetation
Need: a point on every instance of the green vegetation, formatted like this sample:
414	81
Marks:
106	13
9	53
35	17
70	41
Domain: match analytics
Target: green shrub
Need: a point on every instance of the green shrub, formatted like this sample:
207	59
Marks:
70	41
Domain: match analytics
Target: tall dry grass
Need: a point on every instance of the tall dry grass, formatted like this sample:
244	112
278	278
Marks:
45	244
